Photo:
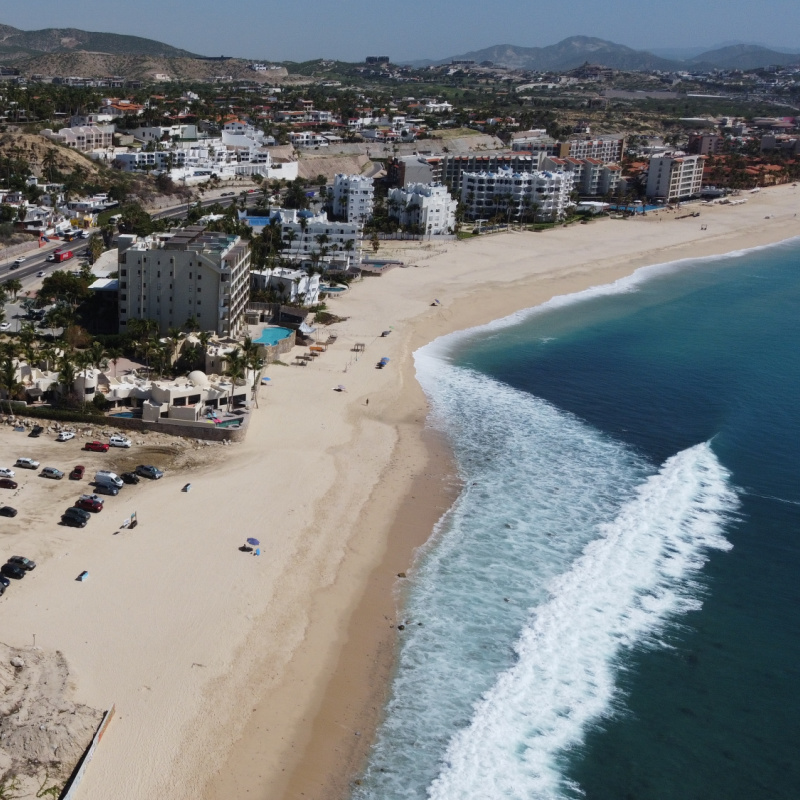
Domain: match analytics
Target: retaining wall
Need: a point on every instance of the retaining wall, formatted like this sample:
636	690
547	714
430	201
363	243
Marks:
177	427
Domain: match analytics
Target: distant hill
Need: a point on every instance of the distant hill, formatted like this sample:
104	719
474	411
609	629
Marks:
567	54
577	50
745	56
17	44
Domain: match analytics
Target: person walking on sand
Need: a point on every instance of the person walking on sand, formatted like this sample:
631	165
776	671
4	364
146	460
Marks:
367	403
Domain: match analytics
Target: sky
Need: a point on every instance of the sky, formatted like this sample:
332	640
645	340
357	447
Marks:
349	30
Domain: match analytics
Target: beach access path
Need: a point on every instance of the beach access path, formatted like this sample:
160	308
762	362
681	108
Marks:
230	672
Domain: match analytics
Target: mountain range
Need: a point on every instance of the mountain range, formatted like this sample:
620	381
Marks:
577	50
18	44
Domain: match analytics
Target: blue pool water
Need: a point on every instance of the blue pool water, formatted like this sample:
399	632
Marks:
272	336
333	289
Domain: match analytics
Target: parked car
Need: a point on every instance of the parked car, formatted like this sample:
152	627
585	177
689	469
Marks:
130	477
7	483
88	504
27	463
65	436
149	471
52	472
23	562
91	497
4	582
12	571
108	478
97	447
106	488
119	441
76	517
77	473
8	511
7	473
36	431
5	326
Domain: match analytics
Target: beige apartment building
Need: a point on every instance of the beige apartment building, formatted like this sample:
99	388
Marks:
187	274
675	177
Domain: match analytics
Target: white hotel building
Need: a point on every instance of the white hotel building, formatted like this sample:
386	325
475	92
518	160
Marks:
675	177
426	205
352	197
518	194
171	278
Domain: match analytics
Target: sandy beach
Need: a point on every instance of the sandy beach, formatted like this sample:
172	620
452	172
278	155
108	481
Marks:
263	677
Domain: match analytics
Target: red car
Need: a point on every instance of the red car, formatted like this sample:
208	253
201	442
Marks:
77	473
98	447
7	483
87	504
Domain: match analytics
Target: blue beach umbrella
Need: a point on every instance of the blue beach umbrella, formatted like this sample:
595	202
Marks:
253	542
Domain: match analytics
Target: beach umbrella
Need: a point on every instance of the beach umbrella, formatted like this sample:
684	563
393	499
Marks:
253	542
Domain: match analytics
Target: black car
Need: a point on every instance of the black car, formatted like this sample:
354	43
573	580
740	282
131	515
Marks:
12	571
130	477
76	517
23	562
8	511
4	581
36	430
101	488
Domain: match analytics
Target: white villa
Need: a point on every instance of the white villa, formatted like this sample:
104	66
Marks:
429	206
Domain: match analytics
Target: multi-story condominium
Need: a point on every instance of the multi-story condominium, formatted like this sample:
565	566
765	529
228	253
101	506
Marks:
430	207
590	177
352	197
521	195
706	144
675	177
453	167
608	149
292	285
312	239
189	274
83	137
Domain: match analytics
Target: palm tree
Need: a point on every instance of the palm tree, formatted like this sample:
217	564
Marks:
13	285
235	368
114	354
66	373
97	353
8	375
175	335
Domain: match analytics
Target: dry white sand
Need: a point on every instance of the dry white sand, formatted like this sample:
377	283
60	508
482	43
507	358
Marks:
221	663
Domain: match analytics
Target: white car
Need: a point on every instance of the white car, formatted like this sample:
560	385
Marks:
7	473
27	463
5	326
40	273
119	441
65	436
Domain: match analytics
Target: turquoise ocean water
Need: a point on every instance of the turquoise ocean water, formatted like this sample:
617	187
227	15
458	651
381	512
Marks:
611	609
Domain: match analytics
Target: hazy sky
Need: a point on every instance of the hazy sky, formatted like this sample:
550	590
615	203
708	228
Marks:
411	29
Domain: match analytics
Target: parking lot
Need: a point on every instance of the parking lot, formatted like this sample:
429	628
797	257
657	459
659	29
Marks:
40	501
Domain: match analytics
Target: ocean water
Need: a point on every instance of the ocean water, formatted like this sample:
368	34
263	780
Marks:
611	609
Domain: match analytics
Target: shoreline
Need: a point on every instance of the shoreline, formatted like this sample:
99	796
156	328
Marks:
236	676
327	759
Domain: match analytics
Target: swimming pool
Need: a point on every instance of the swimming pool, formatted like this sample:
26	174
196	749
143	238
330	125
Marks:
332	289
272	336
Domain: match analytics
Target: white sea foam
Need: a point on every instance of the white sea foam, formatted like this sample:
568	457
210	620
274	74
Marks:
563	548
619	592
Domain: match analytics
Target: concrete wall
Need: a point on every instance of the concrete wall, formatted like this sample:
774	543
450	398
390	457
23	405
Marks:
189	430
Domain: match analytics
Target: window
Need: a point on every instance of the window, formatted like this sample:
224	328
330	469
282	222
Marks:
123	272
123	297
158	274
